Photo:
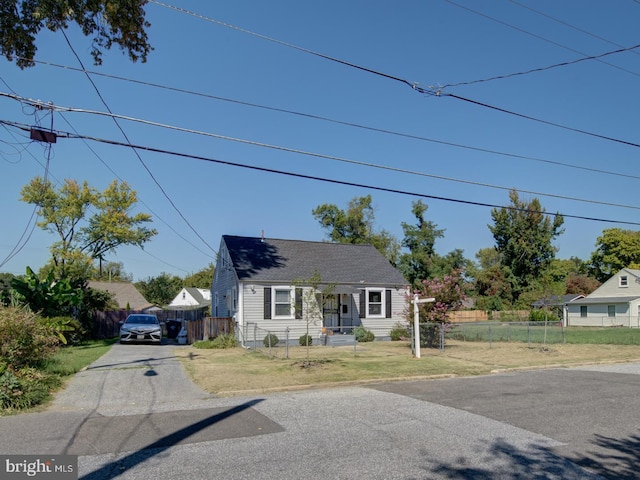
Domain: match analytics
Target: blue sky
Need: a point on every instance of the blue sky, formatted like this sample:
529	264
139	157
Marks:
433	43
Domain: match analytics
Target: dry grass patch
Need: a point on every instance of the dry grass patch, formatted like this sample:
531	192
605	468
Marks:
236	371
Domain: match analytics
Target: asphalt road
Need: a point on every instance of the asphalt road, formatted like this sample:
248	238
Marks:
134	414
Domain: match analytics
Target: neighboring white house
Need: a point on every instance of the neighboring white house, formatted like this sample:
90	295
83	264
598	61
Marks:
264	285
191	298
615	303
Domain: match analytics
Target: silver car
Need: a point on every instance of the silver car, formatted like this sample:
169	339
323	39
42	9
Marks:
139	327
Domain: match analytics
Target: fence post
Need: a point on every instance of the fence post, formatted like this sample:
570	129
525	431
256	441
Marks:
286	345
490	337
442	325
255	334
269	341
528	333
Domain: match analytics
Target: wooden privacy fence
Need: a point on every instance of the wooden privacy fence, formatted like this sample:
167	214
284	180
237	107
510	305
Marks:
208	327
107	324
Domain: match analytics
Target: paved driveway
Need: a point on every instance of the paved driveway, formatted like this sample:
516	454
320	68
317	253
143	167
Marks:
135	415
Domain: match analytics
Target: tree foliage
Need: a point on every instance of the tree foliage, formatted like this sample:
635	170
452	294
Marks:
201	279
63	212
356	225
524	236
449	294
49	297
160	290
615	249
110	22
420	239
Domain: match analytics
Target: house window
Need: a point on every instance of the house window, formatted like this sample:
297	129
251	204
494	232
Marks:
375	299
282	306
184	295
583	311
624	281
611	310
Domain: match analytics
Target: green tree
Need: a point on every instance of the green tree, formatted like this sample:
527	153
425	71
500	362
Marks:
615	249
110	22
524	236
49	297
420	239
160	290
64	212
201	279
356	225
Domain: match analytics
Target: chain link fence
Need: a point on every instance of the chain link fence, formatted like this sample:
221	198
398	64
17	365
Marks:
525	332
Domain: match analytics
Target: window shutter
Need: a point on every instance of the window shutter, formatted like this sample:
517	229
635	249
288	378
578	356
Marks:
267	303
387	313
363	304
298	303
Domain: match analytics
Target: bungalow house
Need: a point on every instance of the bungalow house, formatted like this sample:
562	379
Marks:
615	303
265	285
191	299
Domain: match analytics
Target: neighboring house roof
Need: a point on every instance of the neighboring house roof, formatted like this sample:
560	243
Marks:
556	300
284	261
198	298
603	300
124	293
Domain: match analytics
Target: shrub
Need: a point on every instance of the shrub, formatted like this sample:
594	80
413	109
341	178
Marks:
270	340
220	342
399	332
305	340
542	315
364	335
24	339
25	388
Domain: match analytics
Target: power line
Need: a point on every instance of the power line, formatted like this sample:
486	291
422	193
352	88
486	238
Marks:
542	69
415	85
333	181
166	195
539	37
345	123
334	158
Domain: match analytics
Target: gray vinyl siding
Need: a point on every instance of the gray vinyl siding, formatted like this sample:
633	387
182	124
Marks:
382	326
223	283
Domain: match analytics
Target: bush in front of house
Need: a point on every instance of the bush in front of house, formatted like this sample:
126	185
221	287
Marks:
400	332
364	335
220	342
270	340
305	340
25	339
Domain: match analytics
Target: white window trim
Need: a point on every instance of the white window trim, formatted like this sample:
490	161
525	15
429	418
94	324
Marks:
382	303
623	281
292	299
609	311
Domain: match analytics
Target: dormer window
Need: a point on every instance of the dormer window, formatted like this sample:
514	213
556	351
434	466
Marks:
624	281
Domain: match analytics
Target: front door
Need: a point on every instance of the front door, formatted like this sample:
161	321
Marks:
331	312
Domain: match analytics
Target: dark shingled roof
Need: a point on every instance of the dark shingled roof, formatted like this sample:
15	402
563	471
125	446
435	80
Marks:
284	261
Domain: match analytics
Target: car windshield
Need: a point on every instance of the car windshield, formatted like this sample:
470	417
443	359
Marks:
142	320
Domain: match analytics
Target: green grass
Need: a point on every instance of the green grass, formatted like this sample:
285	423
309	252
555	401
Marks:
72	359
537	333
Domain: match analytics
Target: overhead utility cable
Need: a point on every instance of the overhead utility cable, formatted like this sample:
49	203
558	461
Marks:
414	85
166	195
539	37
334	158
348	124
333	181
